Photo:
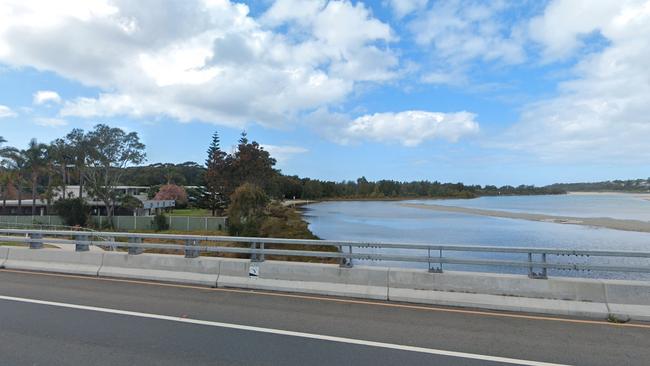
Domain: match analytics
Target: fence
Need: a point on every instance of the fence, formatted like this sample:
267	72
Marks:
536	260
179	223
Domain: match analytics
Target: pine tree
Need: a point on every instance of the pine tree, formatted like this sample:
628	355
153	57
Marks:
216	177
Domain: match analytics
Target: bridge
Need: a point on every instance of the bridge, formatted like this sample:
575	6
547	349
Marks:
123	305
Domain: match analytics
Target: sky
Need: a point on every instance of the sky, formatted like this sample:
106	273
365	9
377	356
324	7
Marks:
481	92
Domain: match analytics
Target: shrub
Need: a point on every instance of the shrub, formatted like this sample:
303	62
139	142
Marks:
73	211
160	223
246	210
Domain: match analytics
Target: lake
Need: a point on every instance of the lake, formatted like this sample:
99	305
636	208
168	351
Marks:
388	221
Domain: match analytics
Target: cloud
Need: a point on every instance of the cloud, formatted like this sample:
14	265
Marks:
6	112
561	32
602	114
401	8
50	122
46	96
408	128
217	64
461	31
284	152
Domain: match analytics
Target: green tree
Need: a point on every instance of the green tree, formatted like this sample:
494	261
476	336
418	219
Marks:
73	211
7	174
251	164
110	151
217	180
80	148
246	210
36	162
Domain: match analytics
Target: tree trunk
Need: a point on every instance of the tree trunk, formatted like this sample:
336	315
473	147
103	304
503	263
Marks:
20	199
81	184
34	181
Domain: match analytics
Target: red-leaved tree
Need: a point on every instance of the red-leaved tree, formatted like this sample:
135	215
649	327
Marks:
172	192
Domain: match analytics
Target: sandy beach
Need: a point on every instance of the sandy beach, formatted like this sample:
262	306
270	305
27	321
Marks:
605	222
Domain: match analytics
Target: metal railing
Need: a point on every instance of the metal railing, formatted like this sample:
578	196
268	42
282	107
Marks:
537	261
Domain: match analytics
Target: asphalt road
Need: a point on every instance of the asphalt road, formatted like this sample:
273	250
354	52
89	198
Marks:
68	320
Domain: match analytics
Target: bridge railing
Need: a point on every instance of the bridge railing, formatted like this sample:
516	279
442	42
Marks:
536	260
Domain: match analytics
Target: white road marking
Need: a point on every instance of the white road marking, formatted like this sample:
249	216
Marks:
321	337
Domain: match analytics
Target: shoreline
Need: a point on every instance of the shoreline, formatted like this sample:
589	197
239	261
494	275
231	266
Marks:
641	195
603	222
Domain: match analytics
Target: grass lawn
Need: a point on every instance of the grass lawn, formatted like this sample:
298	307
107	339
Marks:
195	212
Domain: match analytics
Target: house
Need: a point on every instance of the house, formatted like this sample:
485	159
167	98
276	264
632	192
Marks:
98	208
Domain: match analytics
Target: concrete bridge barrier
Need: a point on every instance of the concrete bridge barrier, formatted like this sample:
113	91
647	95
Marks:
54	260
3	256
161	267
562	296
314	278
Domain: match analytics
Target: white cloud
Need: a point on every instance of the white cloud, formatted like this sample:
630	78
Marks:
462	31
46	96
50	122
401	8
408	128
6	112
560	30
282	153
603	113
216	64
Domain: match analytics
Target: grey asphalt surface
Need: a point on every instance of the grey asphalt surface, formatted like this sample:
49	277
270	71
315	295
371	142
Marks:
34	334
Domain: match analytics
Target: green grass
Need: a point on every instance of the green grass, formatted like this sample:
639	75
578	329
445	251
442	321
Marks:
195	212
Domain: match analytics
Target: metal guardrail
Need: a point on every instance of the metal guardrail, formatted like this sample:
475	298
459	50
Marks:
536	259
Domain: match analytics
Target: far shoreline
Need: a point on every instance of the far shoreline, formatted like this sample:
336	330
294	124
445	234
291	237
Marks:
603	222
641	195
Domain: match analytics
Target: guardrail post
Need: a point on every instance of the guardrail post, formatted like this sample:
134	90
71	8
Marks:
135	250
434	269
257	257
79	246
36	244
191	253
346	262
535	275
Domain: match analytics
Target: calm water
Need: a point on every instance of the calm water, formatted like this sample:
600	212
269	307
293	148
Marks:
391	222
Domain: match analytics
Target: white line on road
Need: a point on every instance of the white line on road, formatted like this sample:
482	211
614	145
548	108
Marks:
286	333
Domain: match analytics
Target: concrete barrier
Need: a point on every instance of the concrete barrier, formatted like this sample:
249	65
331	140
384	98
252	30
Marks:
54	260
559	296
160	267
314	278
499	284
4	251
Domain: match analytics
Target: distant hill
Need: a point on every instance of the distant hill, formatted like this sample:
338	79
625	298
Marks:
631	185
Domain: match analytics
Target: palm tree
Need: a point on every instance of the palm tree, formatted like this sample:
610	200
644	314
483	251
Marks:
6	174
61	156
36	162
16	165
79	149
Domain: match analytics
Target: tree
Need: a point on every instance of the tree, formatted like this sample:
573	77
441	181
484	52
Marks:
252	164
36	162
110	151
61	158
7	175
172	192
73	211
80	147
216	177
246	210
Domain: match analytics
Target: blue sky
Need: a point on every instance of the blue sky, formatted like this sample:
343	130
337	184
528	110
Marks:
484	92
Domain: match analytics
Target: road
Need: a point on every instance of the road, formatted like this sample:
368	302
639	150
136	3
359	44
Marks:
70	320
